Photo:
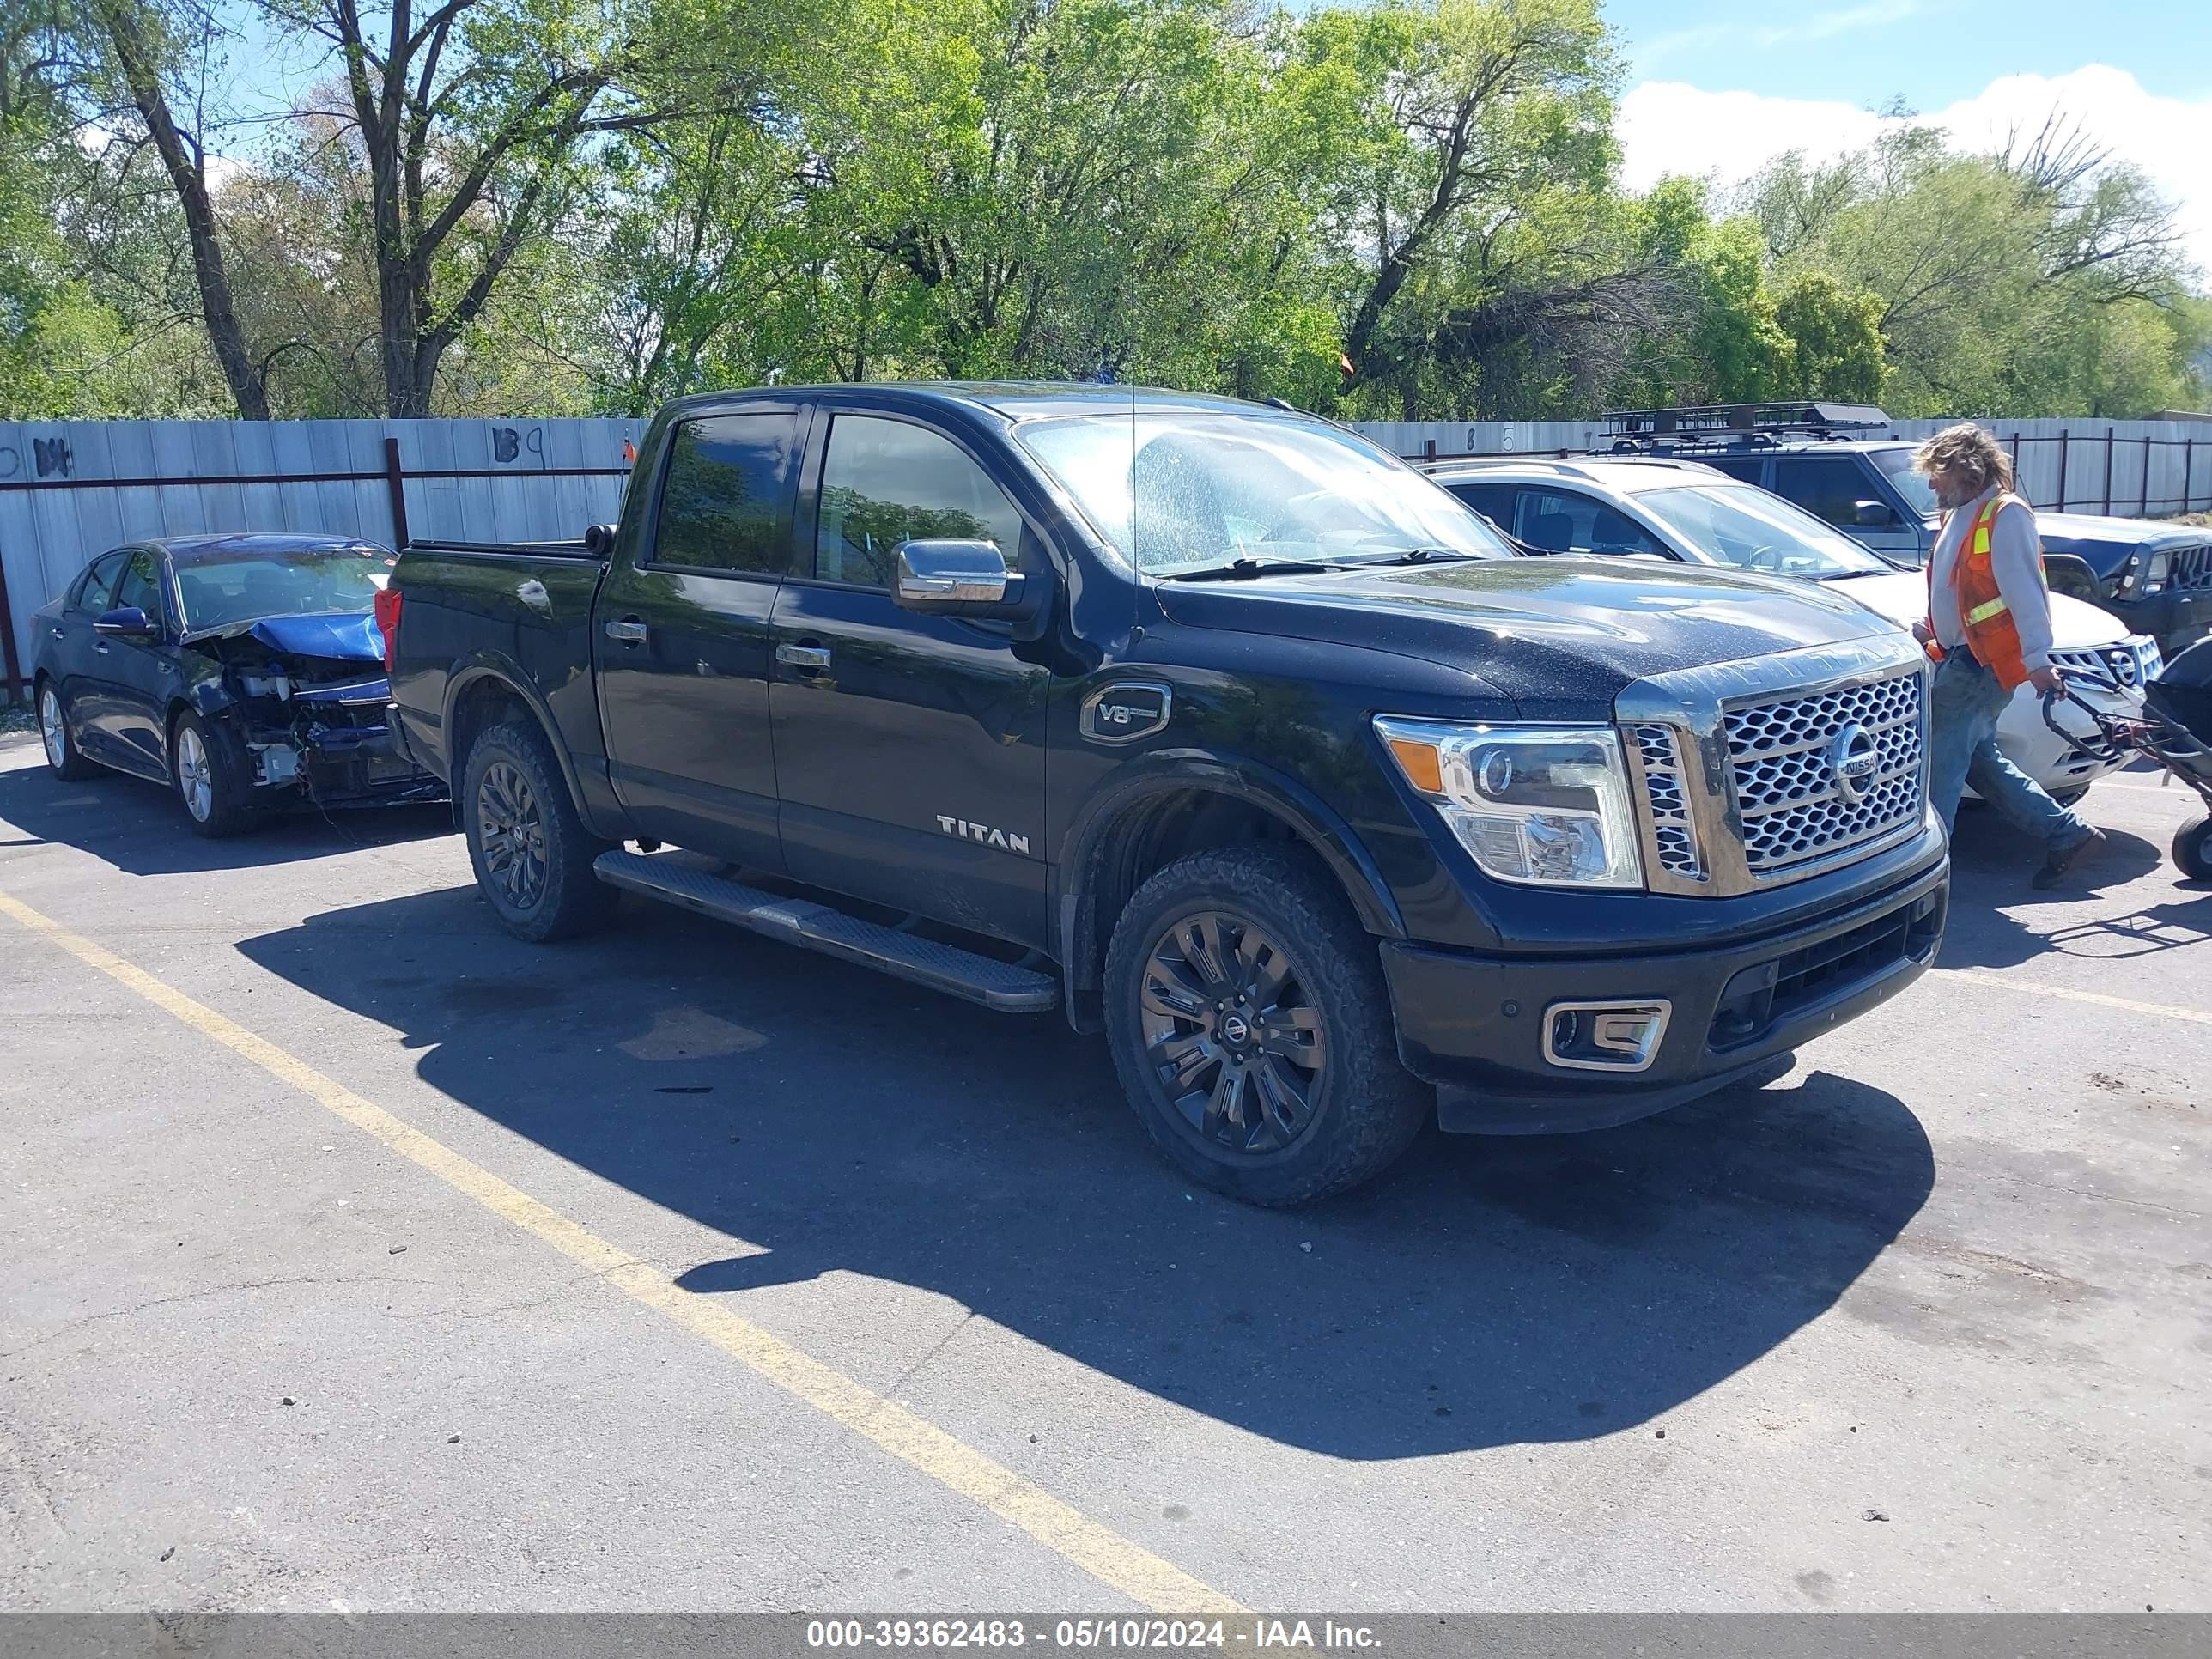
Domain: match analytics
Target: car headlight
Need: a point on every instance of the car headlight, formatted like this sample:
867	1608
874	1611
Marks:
2154	575
1544	805
2149	660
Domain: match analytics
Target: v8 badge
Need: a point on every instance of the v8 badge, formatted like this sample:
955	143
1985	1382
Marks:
1125	710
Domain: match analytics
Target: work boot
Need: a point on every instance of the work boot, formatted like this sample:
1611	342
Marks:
2062	859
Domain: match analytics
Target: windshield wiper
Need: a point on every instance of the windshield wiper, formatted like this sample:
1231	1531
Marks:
1417	555
1845	576
1238	570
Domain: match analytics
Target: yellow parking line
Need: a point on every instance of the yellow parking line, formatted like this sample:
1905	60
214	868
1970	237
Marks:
1103	1554
2098	998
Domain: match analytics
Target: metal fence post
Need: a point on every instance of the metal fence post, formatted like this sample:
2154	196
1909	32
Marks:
2108	472
395	481
2143	510
8	644
2065	448
2189	475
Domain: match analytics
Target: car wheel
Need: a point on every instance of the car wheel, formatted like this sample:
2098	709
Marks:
1250	1026
2193	848
209	775
62	758
531	854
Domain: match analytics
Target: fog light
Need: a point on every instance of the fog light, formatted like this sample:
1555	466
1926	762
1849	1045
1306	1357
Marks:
1605	1036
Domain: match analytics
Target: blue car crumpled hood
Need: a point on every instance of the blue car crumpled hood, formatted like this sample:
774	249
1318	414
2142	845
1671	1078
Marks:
343	636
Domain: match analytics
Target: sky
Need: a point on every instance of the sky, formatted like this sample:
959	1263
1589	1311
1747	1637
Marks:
1719	87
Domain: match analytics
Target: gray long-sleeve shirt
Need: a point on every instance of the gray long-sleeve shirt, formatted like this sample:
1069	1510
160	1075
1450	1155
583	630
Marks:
2015	549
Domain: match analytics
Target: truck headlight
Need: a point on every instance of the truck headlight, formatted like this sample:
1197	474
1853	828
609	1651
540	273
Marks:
1543	804
2154	575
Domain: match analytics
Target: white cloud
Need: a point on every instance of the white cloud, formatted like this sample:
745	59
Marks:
1667	127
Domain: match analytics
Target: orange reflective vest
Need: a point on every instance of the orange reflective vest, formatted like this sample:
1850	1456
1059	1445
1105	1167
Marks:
1991	634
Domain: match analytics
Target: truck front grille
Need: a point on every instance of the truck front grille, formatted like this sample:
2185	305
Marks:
2191	571
1791	799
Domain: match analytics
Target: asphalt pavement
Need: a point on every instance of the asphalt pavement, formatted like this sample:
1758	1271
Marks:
362	1257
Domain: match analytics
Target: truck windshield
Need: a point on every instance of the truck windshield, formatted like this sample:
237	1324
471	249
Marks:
217	592
1177	492
1738	525
1896	464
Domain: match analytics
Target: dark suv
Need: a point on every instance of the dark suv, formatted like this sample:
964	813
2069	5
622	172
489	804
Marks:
2156	578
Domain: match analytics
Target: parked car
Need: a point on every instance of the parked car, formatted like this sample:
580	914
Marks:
1328	809
1686	510
243	671
2155	578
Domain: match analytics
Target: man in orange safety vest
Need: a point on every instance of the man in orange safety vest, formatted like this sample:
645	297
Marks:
1989	629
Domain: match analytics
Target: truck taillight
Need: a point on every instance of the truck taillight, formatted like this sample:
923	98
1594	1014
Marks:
387	622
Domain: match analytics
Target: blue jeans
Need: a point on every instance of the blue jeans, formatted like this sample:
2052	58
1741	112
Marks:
1962	749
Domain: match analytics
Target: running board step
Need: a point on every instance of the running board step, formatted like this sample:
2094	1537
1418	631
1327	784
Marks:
1000	986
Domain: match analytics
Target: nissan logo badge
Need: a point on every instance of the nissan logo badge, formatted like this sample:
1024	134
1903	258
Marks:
1852	758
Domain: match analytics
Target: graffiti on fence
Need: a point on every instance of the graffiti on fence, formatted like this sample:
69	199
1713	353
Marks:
508	443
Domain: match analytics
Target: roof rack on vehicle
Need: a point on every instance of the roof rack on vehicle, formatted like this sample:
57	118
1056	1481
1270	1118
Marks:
1719	423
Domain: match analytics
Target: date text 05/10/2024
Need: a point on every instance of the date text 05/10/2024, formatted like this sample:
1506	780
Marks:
1122	1634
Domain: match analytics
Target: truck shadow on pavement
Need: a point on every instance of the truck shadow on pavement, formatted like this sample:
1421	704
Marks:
1486	1293
141	828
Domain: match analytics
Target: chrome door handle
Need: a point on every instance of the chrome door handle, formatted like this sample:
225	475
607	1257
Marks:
56	632
814	657
630	633
101	648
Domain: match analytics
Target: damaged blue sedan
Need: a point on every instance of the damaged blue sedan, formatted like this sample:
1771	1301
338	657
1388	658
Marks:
245	672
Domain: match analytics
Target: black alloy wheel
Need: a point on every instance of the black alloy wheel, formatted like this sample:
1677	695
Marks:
1249	1020
511	830
528	845
1231	1033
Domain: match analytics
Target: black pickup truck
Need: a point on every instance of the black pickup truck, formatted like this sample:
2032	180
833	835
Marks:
1212	725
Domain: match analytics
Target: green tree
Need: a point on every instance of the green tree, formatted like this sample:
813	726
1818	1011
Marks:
1835	348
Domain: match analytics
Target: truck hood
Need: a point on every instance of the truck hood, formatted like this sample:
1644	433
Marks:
2104	544
1559	636
343	636
1902	599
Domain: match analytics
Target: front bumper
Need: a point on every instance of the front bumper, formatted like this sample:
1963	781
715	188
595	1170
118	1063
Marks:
329	766
1475	1026
2176	620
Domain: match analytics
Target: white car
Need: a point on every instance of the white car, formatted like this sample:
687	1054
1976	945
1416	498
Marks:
1646	507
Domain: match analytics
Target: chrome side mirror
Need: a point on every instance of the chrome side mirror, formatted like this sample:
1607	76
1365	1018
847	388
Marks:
956	576
1873	515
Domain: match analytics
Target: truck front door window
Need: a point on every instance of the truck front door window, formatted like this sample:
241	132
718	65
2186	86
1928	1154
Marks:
885	482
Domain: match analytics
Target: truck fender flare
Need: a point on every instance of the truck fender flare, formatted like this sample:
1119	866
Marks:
1178	771
473	670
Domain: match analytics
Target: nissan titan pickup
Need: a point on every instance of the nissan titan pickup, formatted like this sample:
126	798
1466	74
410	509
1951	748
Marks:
1214	726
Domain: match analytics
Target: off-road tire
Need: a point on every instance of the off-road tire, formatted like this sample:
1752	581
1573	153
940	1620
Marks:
2192	847
565	898
196	743
63	759
1365	1109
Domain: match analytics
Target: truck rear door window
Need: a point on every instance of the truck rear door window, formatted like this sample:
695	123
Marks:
727	502
887	482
